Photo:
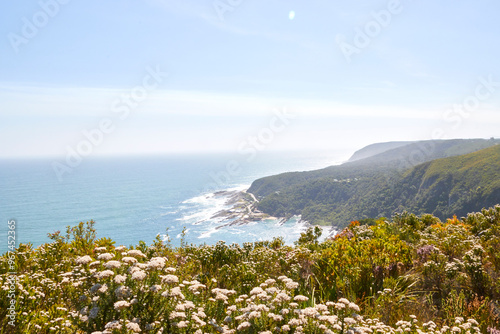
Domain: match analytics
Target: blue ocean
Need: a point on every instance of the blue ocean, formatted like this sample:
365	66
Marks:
137	198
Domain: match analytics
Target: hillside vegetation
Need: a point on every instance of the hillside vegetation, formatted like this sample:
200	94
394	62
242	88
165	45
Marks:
444	184
410	274
374	149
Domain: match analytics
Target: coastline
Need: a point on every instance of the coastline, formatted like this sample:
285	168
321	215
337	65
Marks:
243	210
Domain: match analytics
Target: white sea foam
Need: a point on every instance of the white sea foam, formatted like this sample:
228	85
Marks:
207	234
200	210
199	199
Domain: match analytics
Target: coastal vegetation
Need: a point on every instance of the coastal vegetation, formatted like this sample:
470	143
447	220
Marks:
444	178
406	274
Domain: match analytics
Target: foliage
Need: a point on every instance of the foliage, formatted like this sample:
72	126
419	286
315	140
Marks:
374	187
378	277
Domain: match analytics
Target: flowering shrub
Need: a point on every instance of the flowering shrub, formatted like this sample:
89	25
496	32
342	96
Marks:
369	279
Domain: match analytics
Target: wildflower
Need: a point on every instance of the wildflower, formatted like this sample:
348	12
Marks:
292	285
344	301
99	249
285	311
120	248
176	314
170	279
133	327
135	253
122	304
119	279
355	307
112	264
155	288
256	291
182	324
243	325
194	288
254	315
138	275
473	322
103	289
83	260
156	263
339	306
129	259
175	292
105	256
309	312
115	324
272	290
466	326
300	298
275	317
221	296
322	308
122	292
105	274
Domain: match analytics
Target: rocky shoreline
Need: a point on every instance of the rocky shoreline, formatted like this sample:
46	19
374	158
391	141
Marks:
243	209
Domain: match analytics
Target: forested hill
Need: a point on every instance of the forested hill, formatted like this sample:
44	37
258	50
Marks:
375	149
389	182
395	160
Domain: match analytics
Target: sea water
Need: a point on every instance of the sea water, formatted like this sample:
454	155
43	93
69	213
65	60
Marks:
137	198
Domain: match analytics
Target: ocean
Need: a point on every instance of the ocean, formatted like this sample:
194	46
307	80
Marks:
137	198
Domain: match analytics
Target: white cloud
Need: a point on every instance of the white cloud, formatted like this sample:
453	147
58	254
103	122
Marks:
97	102
45	120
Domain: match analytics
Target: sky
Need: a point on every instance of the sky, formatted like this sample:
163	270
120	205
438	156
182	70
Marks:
155	76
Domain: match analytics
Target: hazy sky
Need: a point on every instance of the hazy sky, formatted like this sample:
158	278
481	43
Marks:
91	75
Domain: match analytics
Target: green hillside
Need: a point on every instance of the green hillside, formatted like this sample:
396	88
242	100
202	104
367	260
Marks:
394	160
454	185
371	188
374	149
